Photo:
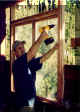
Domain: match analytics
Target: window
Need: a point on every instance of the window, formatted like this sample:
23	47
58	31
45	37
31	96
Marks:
36	21
46	78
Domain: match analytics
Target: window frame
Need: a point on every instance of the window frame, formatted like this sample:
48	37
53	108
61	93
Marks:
55	13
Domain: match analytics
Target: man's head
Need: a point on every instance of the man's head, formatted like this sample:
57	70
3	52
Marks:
18	48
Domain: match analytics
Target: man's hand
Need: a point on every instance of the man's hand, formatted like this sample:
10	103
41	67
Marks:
56	45
44	35
49	53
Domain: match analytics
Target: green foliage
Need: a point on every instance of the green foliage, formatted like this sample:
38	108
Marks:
47	87
7	50
77	52
72	29
43	49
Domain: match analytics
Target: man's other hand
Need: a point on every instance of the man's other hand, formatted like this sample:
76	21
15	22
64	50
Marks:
44	35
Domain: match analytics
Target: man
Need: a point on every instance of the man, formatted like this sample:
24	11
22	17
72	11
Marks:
24	70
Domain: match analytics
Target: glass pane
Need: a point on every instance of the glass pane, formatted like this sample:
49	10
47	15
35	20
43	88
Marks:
24	33
7	34
69	52
46	78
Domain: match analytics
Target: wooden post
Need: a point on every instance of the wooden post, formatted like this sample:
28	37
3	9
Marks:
12	38
61	36
33	32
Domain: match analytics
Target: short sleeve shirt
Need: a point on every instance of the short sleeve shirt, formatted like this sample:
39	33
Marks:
25	76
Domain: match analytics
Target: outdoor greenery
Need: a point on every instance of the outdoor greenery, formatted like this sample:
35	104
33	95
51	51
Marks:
33	7
72	30
7	50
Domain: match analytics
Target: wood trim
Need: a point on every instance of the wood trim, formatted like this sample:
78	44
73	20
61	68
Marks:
59	3
38	17
42	99
11	60
50	102
30	21
12	33
33	32
12	38
61	36
13	12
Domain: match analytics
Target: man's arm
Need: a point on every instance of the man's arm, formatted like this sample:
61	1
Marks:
33	50
49	53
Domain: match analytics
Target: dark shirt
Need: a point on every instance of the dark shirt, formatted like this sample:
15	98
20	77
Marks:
24	77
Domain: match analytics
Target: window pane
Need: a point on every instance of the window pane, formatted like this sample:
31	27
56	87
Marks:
7	50
46	79
24	33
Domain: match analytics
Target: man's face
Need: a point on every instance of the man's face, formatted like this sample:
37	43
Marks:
20	50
